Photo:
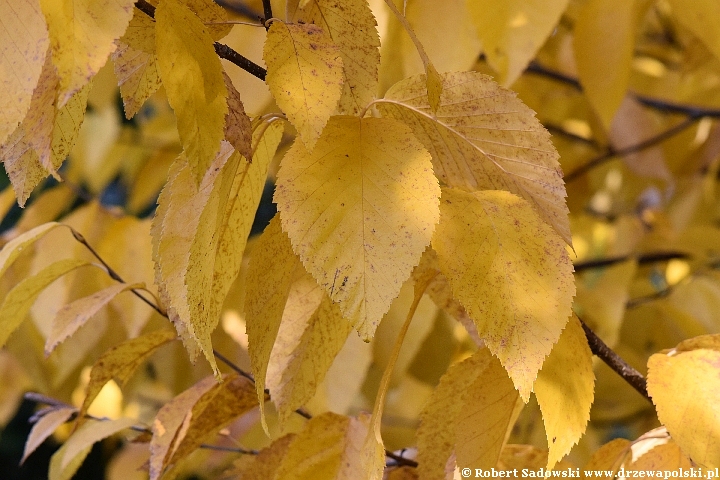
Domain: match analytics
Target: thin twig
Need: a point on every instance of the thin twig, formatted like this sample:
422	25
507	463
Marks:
221	49
642	260
240	9
634	378
229	449
267	11
664	106
645	144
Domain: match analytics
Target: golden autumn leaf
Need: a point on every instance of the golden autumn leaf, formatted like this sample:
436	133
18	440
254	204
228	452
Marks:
367	186
513	31
352	27
483	137
195	416
121	361
44	427
23	46
311	334
238	130
305	75
261	466
192	75
702	18
16	304
512	274
74	315
135	63
610	456
66	461
82	37
604	66
331	447
273	268
12	250
564	390
686	403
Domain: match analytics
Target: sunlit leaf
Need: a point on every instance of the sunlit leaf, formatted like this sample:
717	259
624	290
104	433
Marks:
305	75
44	427
360	208
483	137
512	274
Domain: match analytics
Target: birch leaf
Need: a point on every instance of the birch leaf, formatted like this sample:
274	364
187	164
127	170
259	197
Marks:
310	346
23	45
12	250
352	27
82	37
16	304
238	130
74	315
564	390
359	210
513	31
687	403
305	75
272	269
329	447
604	66
195	416
483	137
511	273
486	415
135	63
91	432
45	427
263	465
192	75
121	361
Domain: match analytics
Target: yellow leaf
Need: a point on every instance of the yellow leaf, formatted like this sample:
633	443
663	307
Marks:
483	137
261	466
359	209
564	390
23	45
56	472
135	63
195	416
45	427
604	61
26	155
436	434
512	274
192	75
272	269
309	347
702	18
91	432
434	84
121	361
212	15
12	250
487	413
331	447
610	456
305	75
513	31
199	236
74	315
82	37
18	301
684	389
663	457
68	121
351	25
238	130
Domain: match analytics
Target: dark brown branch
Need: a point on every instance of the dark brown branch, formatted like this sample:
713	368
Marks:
617	364
642	260
650	142
267	11
654	103
240	9
221	49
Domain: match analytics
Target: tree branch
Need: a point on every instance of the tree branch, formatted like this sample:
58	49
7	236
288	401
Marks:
221	49
612	153
613	360
654	103
641	259
267	11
